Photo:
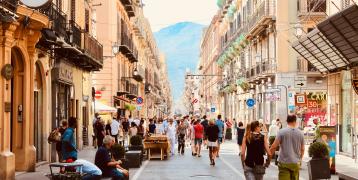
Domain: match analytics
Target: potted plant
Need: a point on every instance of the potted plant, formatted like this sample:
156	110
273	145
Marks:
136	143
318	166
118	152
228	134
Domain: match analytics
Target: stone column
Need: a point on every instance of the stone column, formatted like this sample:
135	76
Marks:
7	158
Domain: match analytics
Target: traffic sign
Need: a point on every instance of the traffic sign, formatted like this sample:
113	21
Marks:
300	81
139	108
212	109
98	95
250	103
139	100
195	101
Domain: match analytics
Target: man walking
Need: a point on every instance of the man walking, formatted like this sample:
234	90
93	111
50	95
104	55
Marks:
292	148
205	124
115	128
221	126
199	132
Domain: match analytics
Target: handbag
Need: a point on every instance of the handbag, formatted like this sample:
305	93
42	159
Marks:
54	137
259	169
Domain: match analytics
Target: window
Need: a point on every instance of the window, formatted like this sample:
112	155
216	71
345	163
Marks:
87	20
316	6
73	10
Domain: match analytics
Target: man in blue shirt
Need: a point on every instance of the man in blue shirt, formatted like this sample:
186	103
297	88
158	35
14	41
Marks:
221	127
103	161
92	172
69	151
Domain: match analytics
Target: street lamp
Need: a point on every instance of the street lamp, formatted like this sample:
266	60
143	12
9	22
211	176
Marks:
299	30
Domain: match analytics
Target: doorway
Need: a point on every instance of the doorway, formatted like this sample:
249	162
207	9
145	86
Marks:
38	114
17	104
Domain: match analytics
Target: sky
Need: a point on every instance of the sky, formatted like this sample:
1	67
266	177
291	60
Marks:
163	13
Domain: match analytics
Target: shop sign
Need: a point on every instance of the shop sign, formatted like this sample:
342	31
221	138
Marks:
300	99
328	136
64	73
312	104
355	85
7	71
273	95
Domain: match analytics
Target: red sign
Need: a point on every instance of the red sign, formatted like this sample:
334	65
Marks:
312	104
98	95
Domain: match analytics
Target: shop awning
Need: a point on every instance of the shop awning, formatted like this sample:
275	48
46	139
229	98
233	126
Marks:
320	52
333	45
102	108
341	30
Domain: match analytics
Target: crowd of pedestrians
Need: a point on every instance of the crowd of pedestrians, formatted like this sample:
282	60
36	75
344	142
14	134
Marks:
255	142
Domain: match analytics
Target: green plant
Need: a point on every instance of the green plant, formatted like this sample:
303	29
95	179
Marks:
129	107
118	151
136	140
318	150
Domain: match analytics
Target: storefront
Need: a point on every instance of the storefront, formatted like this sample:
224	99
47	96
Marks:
332	50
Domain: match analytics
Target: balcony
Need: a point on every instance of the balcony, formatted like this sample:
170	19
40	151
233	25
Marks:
75	34
156	81
127	48
128	6
58	19
262	16
92	53
9	4
310	8
140	73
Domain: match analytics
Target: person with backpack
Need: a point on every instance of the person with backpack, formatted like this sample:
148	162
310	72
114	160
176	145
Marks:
253	150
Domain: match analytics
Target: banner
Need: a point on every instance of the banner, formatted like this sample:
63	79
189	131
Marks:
328	136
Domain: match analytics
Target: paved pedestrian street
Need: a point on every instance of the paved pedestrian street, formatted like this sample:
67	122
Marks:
228	167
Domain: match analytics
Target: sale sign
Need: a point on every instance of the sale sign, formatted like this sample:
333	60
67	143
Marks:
312	104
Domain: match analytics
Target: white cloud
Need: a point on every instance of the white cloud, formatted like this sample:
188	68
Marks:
162	13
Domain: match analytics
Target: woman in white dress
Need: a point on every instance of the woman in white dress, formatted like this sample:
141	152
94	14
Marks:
171	133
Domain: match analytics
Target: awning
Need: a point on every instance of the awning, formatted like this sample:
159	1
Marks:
342	30
320	52
102	108
333	45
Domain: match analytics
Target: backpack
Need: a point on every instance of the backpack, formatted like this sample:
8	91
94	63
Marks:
54	137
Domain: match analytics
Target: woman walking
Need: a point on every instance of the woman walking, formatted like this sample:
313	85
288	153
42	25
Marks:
100	132
212	133
171	132
240	135
253	149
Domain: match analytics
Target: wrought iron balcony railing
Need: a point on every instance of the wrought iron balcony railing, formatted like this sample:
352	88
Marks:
74	34
129	7
9	4
127	48
312	8
58	19
140	73
265	10
93	48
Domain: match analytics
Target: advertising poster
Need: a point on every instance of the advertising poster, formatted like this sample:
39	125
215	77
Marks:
328	136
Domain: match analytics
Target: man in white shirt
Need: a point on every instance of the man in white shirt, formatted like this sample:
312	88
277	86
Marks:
115	128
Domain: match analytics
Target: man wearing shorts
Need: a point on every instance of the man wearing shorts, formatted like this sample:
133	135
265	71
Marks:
199	134
221	127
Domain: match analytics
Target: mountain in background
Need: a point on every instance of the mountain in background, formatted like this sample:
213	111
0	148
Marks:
181	45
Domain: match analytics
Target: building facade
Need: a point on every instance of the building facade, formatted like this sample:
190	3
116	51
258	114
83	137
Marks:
258	63
131	60
335	57
48	55
209	69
